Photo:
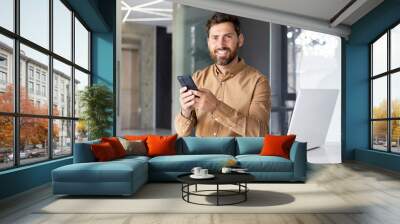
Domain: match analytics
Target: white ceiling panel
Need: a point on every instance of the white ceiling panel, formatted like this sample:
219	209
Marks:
321	9
327	16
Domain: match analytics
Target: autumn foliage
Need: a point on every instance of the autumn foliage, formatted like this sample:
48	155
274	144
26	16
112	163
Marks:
380	128
33	131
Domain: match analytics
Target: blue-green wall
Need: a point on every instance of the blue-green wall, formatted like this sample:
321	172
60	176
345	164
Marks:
103	52
102	55
24	178
356	84
99	16
380	159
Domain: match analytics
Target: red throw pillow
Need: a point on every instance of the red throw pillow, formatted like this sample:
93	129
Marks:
277	145
161	145
103	151
116	145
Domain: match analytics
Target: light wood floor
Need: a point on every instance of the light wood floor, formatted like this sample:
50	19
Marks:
377	188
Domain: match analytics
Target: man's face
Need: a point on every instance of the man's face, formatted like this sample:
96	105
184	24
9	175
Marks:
223	43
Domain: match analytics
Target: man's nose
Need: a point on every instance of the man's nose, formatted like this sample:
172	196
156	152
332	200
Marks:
221	43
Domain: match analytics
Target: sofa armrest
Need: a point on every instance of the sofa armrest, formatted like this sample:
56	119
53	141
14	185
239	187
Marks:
83	152
298	155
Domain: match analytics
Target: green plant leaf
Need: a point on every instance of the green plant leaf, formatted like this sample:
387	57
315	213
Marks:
96	102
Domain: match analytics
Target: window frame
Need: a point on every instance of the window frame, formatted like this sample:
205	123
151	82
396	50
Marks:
3	77
16	114
3	70
388	74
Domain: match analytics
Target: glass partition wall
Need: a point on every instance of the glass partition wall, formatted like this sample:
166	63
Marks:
290	57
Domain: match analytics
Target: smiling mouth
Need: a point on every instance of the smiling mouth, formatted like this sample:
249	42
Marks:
222	52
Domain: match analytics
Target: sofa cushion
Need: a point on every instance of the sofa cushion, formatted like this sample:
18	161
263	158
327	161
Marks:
257	163
134	147
103	152
132	158
83	152
161	145
116	145
136	137
185	163
206	145
249	145
111	171
277	145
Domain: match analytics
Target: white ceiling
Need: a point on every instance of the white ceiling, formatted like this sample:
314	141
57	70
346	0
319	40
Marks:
317	15
320	9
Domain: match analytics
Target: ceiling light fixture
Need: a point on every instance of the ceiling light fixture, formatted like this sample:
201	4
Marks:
149	19
165	14
151	12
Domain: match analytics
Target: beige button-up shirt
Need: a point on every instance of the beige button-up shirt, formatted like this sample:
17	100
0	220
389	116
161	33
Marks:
243	108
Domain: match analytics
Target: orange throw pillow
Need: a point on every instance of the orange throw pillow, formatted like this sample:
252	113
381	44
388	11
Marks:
135	137
116	145
277	145
161	145
103	151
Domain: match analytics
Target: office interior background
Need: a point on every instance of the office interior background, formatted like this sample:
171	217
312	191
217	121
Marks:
291	58
42	72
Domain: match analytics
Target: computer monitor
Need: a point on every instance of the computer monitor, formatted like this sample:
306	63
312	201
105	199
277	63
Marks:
312	115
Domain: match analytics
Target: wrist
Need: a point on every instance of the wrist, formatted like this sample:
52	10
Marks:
215	106
186	113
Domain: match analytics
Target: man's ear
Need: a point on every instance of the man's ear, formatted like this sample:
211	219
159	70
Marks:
241	40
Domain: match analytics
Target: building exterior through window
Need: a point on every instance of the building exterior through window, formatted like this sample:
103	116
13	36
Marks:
37	87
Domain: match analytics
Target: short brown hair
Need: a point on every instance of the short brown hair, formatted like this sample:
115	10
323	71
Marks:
219	17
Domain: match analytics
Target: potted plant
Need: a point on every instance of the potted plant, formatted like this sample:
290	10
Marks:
96	102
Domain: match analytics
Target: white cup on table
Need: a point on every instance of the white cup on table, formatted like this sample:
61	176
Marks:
203	172
196	170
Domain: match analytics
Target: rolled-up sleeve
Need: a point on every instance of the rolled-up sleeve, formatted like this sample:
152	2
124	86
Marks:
183	125
255	123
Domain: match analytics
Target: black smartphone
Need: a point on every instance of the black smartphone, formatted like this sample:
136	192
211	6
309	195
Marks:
186	80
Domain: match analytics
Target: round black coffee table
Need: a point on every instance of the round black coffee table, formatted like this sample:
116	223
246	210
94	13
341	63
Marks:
238	179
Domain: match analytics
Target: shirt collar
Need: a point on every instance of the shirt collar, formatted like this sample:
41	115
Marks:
230	70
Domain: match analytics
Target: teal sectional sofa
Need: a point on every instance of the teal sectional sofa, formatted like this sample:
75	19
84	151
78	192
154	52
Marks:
125	176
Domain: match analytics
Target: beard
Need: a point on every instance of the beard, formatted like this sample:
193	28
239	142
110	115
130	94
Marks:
231	54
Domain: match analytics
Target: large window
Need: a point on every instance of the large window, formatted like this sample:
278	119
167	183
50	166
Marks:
34	23
385	92
40	80
7	14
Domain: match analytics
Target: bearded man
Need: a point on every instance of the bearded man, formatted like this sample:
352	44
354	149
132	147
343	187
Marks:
233	98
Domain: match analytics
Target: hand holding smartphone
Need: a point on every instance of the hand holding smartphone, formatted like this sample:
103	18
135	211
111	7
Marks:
187	81
186	98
